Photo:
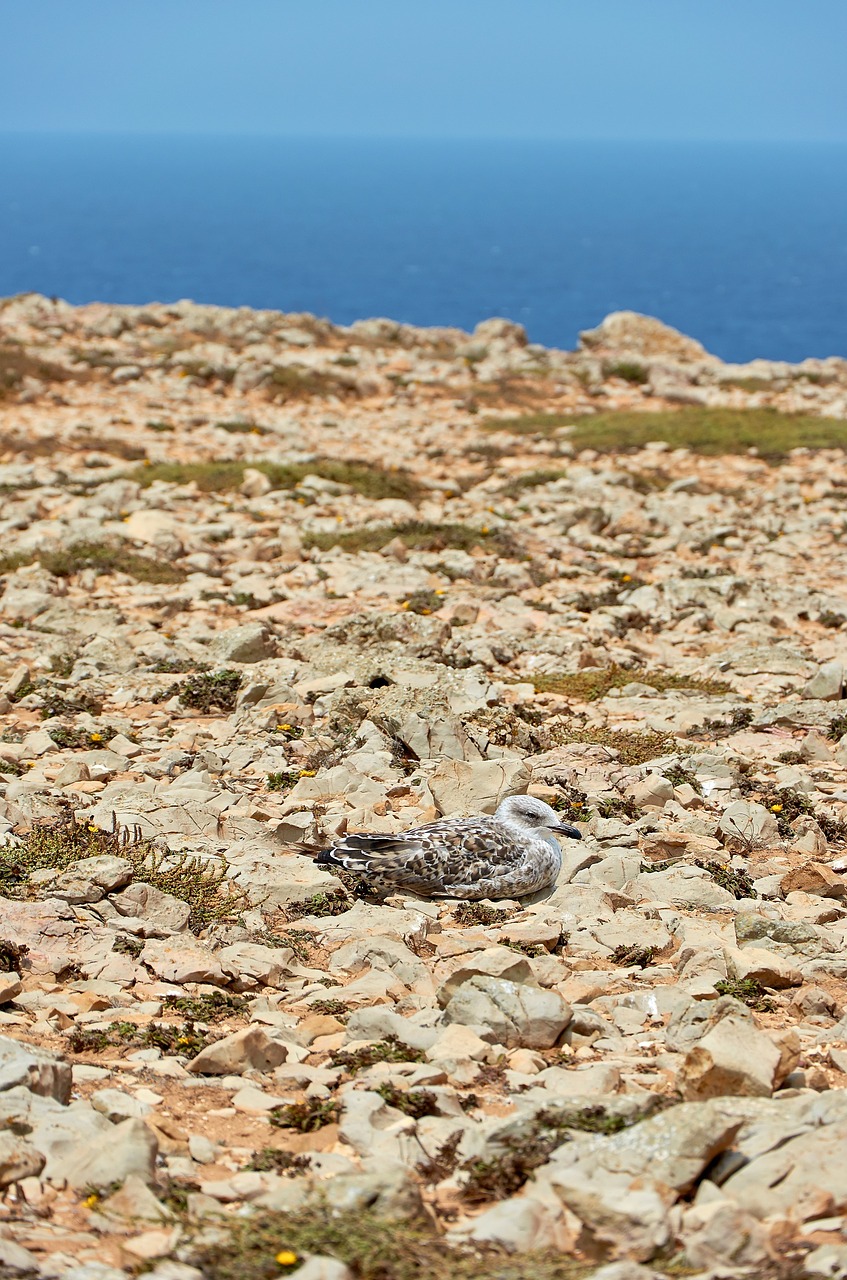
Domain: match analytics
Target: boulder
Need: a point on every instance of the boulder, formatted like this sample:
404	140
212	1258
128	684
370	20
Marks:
493	962
129	1148
38	1070
250	643
512	1013
734	1059
251	1047
461	788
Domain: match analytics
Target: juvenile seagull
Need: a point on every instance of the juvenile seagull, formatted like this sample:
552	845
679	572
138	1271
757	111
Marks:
510	855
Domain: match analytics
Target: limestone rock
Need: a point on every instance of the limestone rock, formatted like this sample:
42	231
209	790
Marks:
513	1013
40	1071
130	1148
816	878
251	1047
461	788
733	1058
250	643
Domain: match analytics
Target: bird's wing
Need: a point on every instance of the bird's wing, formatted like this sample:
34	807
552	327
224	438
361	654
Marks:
429	858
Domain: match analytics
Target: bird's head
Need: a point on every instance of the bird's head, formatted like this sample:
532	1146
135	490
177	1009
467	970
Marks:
536	816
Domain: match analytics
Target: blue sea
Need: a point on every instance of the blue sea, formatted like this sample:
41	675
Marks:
741	246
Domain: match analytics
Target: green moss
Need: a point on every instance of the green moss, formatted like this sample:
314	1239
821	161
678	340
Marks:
103	557
748	991
308	1116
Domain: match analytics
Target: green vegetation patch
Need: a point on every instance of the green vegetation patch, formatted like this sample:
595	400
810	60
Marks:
481	913
12	956
16	364
308	1116
738	883
174	1041
368	479
416	1103
321	904
748	991
103	557
417	535
589	685
388	1050
632	748
423	602
703	430
531	480
215	1006
56	846
527	1149
272	1160
628	370
266	1246
208	692
631	955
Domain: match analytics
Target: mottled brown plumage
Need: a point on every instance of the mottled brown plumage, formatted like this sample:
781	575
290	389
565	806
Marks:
510	855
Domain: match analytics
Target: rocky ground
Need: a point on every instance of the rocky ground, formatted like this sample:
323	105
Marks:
265	580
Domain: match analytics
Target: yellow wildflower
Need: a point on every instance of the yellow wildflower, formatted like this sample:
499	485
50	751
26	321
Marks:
96	737
627	577
404	604
287	1258
776	808
441	591
93	830
283	728
307	773
91	1201
485	529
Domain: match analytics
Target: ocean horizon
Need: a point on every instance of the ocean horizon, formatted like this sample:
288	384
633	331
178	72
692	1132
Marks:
742	246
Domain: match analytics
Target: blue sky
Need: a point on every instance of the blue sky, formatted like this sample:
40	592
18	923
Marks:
639	69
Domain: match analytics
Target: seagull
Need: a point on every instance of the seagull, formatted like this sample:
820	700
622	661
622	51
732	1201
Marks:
510	855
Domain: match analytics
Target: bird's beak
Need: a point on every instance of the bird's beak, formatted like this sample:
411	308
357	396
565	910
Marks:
573	833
